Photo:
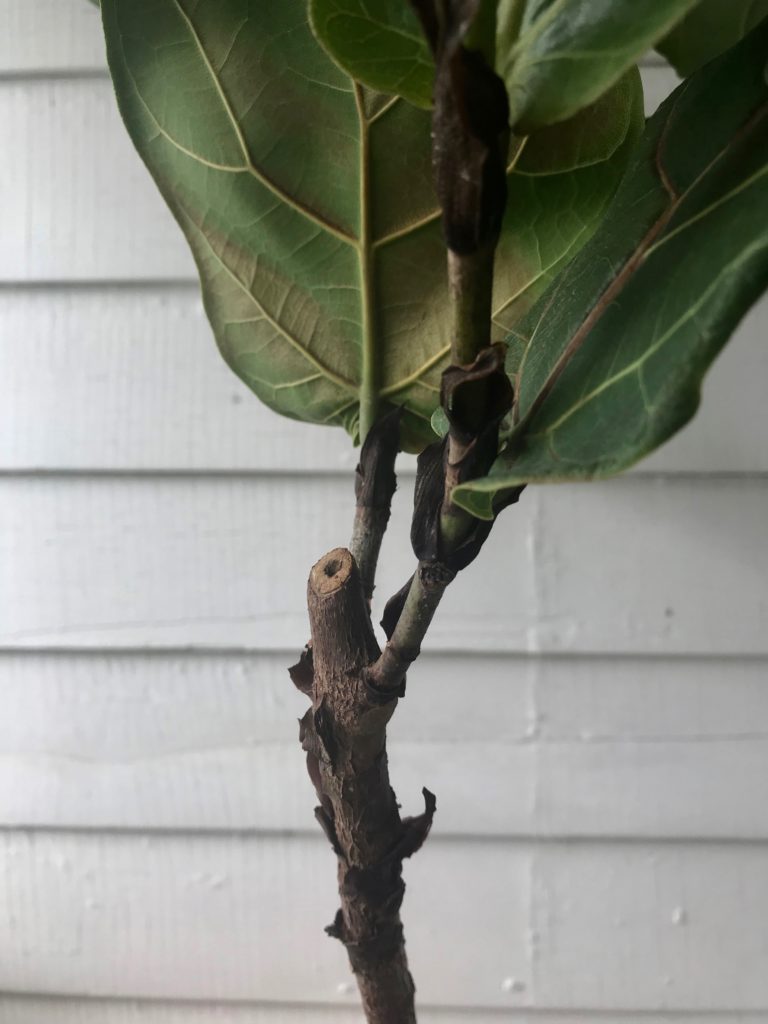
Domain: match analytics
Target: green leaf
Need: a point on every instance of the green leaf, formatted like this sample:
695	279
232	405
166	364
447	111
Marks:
555	56
306	201
615	352
378	43
381	44
711	28
559	190
309	206
561	55
594	134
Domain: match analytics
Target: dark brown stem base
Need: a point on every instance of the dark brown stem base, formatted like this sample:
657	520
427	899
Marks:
344	736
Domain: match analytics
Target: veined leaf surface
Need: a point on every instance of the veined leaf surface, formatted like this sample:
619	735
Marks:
561	182
558	56
711	28
378	43
555	56
615	351
309	206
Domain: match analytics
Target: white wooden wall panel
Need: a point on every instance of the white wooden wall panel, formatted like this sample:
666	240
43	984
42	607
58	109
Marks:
76	203
659	79
585	747
122	915
153	806
28	1010
189	561
130	379
646	566
50	36
577	925
632	565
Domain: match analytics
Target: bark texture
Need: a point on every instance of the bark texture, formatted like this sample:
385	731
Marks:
344	736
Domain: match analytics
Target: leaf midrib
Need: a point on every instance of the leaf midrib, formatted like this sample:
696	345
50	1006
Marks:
250	166
369	363
369	389
644	248
637	364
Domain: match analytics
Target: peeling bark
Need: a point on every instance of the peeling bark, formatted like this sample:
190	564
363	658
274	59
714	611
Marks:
344	736
353	687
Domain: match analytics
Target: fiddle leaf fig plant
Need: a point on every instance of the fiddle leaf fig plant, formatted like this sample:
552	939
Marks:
613	355
444	226
312	214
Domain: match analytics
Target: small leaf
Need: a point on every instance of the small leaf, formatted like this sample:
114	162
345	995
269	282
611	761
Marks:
379	44
559	56
439	421
711	28
616	350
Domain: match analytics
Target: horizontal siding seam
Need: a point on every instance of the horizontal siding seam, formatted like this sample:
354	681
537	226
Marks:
214	474
487	653
506	1013
483	656
15	76
474	839
56	74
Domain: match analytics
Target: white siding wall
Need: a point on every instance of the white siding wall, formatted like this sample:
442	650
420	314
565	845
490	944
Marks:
600	846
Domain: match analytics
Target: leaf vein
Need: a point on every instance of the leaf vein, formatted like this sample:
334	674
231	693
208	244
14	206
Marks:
639	363
275	324
265	180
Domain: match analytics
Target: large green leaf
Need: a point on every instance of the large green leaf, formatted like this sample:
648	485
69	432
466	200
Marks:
561	55
555	56
379	42
712	27
308	203
562	181
615	352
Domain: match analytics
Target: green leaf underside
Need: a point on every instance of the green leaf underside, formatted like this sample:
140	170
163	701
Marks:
594	134
550	216
615	351
309	206
711	28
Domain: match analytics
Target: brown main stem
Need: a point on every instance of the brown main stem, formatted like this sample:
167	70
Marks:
344	735
353	687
